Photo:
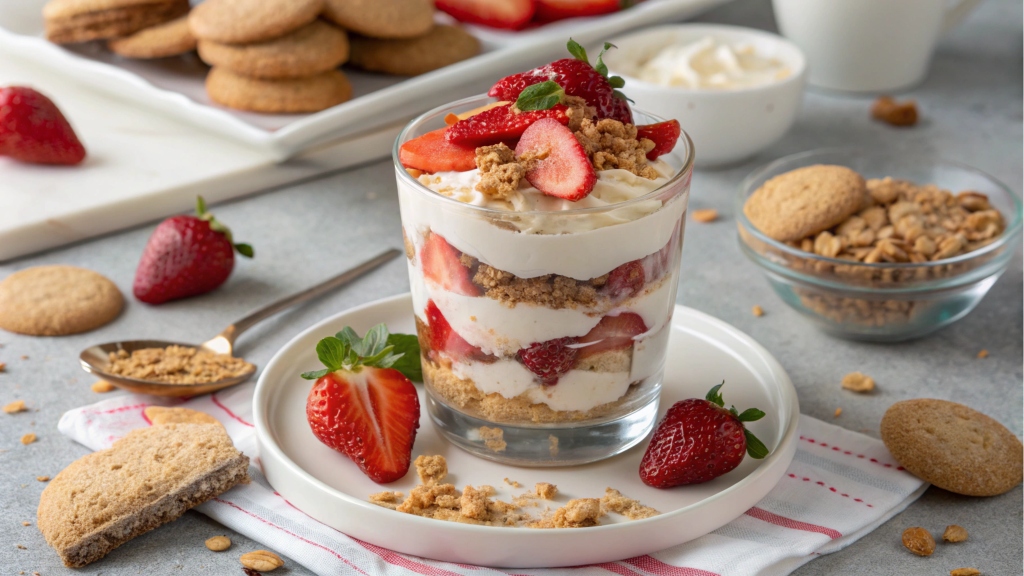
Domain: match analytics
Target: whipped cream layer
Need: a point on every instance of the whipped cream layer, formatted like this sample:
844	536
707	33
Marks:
579	246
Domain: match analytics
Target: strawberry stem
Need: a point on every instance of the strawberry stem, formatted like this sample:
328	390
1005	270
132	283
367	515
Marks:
755	448
215	225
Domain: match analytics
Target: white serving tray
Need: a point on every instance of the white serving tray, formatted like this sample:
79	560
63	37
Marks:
175	86
703	351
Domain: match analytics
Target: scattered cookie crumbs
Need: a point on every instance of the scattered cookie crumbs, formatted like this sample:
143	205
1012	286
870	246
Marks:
431	469
3	366
838	413
15	407
177	365
983	353
43	478
614	501
20	547
954	533
24	357
218	543
705	216
28	438
387	499
512	483
895	113
577	513
545	490
858	382
102	387
261	560
472	318
965	572
26	523
757	310
494	438
919	541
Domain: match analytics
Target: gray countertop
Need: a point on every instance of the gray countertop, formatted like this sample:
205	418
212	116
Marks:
971	105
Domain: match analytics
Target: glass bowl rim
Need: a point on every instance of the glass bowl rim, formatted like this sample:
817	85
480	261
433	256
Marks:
1013	227
684	172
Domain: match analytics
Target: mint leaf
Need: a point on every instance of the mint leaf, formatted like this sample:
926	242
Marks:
755	448
543	96
751	415
714	397
332	352
376	359
408	347
349	337
374	341
316	374
577	51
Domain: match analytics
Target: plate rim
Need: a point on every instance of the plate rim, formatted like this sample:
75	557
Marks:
784	449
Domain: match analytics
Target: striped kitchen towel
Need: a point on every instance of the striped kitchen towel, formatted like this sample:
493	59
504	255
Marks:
840	486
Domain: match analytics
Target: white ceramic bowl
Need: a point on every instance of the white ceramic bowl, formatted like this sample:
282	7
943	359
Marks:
725	125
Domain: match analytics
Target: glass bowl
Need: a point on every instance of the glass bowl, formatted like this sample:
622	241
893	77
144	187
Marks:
883	301
489	285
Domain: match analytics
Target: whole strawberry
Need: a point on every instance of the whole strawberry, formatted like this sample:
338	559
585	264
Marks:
699	440
363	403
186	256
32	129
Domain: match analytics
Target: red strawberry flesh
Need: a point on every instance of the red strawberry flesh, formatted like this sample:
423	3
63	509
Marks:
612	333
442	338
499	124
33	129
551	359
371	416
665	135
550	10
577	78
505	14
442	265
432	152
564	170
626	280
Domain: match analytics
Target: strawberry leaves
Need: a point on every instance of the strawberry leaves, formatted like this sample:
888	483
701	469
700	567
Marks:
346	350
215	225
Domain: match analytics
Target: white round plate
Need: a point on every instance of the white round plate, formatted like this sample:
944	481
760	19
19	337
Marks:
702	352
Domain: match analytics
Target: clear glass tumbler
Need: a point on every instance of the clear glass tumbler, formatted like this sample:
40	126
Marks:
497	292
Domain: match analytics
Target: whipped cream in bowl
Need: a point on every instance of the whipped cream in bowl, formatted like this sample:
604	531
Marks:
497	276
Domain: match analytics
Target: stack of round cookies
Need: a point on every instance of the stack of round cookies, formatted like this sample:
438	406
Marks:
132	28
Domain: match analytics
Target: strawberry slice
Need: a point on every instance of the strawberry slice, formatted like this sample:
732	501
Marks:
663	134
505	14
32	129
550	10
499	124
564	170
364	409
441	338
432	152
442	265
549	360
612	333
626	280
577	78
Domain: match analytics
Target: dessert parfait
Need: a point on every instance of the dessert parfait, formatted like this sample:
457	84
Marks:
543	227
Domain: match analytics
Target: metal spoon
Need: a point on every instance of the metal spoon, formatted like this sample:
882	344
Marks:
96	359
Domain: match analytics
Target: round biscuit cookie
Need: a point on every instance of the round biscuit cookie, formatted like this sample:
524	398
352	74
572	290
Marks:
72	21
314	48
168	39
442	46
805	201
247	21
382	18
57	301
288	96
953	447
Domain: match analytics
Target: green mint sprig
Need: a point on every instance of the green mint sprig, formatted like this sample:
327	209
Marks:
346	350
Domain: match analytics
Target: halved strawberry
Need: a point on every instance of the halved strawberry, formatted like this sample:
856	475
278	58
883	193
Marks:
578	78
507	14
564	170
431	153
499	124
612	333
665	135
362	407
549	360
441	338
549	10
442	265
626	280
